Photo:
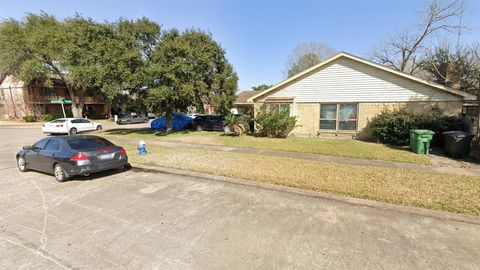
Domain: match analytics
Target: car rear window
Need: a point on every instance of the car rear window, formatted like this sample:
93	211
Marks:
88	143
58	121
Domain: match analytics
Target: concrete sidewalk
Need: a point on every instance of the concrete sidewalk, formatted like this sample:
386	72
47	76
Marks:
308	156
19	124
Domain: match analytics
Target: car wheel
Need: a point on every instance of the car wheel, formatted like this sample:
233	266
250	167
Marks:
21	164
99	127
60	173
125	168
73	131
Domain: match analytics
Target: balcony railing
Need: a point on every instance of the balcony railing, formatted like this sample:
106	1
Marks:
47	99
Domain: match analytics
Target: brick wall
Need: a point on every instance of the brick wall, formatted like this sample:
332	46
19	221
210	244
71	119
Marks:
366	111
308	120
309	114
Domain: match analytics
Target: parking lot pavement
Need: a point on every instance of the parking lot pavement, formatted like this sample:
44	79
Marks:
142	220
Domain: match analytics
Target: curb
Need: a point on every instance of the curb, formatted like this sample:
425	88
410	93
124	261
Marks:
320	195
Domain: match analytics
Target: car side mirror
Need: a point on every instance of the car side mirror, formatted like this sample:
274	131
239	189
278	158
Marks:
27	147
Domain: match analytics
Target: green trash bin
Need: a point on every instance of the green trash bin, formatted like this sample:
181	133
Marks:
420	140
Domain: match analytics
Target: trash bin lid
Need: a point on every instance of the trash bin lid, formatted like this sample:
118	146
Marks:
423	131
458	134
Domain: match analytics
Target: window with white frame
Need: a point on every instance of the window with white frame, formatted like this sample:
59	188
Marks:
341	117
282	107
279	107
328	116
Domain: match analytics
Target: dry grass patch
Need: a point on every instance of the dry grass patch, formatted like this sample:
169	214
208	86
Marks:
453	193
323	146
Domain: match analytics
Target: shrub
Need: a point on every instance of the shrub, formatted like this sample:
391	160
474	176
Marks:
97	115
237	124
393	127
438	122
47	117
52	116
59	115
29	118
275	124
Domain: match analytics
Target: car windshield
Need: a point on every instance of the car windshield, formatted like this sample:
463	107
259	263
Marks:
88	143
58	121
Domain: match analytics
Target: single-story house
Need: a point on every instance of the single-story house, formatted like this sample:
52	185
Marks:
341	95
241	104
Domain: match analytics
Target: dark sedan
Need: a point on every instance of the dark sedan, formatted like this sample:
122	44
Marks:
67	156
214	122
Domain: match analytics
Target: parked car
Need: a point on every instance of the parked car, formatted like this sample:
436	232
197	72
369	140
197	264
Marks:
67	156
132	119
179	122
151	115
214	122
70	126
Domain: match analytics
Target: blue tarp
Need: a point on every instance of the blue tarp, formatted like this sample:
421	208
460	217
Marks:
179	122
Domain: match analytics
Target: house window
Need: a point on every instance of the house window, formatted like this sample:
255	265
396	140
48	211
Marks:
281	107
328	116
347	117
338	117
278	107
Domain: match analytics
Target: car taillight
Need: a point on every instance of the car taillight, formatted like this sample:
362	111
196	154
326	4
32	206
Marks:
80	156
123	152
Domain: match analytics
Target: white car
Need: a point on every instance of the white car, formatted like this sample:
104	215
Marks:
70	126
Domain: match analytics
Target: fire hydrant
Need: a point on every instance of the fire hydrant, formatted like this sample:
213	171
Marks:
142	148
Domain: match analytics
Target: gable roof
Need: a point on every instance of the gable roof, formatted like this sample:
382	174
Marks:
242	97
307	72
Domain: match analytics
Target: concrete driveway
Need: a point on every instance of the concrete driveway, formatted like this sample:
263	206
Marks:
140	220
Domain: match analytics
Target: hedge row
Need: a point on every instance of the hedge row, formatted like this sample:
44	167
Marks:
393	127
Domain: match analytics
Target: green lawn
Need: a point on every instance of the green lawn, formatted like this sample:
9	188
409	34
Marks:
453	193
334	147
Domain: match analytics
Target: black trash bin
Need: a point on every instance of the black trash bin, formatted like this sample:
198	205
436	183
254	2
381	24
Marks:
457	143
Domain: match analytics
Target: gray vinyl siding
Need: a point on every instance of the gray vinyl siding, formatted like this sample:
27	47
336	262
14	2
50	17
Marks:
346	80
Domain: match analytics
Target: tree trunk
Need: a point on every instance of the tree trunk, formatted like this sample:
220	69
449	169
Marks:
77	106
168	118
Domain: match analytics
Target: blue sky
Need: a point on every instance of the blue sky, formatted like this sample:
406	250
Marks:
258	36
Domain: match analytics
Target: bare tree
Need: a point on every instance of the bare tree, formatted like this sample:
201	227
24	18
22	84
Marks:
402	51
475	48
306	55
453	69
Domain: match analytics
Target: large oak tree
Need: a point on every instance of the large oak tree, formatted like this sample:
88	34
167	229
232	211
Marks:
189	69
86	55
